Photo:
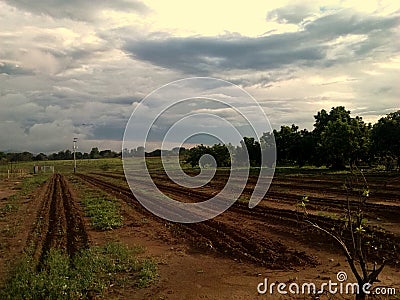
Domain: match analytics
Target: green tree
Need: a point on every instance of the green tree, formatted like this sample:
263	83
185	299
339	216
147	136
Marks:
286	139
361	141
341	139
194	154
40	157
94	153
335	143
253	149
218	151
303	148
108	154
221	155
386	138
68	155
23	156
268	149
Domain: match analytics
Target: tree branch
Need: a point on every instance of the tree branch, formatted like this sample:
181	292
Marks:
344	248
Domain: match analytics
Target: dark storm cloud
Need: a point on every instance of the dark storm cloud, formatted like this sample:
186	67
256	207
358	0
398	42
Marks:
108	132
203	55
76	9
207	55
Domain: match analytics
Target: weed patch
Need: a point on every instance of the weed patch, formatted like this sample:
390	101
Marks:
30	183
102	209
103	212
90	272
26	187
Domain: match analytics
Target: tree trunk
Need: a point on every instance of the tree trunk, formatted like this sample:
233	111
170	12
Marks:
361	295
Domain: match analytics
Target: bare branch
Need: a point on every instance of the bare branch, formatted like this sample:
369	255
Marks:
374	274
348	255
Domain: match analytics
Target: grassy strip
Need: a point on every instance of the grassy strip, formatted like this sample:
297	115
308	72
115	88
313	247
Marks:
67	166
32	182
102	209
26	187
88	273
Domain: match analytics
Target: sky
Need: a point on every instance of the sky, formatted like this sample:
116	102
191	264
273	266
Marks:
79	68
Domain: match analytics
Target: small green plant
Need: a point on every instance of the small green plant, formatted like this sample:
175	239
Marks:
303	202
8	230
102	209
91	271
8	208
30	183
147	274
24	188
103	212
243	199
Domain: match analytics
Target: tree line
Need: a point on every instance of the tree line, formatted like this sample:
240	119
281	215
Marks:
336	141
61	155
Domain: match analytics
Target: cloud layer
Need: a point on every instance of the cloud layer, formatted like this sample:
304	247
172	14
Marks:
75	68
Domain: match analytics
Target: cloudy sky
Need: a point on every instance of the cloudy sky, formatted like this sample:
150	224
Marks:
78	68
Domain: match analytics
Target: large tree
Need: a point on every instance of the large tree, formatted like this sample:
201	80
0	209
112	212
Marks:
285	140
341	139
94	153
294	146
268	149
386	137
253	149
219	152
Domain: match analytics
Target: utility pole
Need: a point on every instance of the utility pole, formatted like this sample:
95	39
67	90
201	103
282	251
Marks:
75	147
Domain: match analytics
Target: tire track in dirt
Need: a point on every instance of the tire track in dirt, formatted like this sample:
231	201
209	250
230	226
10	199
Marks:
59	223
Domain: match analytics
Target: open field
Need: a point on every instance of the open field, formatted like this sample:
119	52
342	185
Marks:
71	216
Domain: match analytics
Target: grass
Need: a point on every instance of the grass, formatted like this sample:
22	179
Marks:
244	199
32	182
26	187
103	212
115	165
8	208
90	272
67	166
147	273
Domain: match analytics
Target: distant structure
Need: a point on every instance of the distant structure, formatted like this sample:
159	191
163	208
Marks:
42	169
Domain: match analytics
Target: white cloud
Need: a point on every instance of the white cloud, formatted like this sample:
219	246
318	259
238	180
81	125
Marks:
72	68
